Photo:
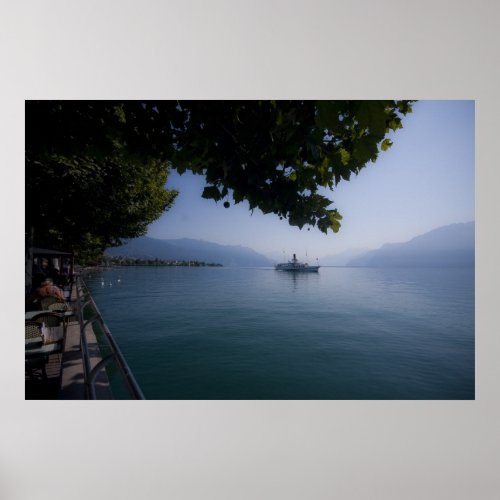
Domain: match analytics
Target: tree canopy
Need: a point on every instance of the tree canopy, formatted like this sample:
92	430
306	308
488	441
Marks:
96	170
87	187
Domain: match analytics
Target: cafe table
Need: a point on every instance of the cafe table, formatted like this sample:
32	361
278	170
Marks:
64	314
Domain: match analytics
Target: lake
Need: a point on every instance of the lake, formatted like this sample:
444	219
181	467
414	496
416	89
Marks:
256	333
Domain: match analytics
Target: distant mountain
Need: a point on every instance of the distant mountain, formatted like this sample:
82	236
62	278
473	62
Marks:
276	256
447	246
188	249
342	258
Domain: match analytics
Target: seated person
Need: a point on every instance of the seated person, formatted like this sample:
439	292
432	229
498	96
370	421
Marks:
46	289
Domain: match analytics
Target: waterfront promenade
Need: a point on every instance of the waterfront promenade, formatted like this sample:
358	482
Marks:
65	371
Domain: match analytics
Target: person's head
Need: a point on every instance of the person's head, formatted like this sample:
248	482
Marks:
44	263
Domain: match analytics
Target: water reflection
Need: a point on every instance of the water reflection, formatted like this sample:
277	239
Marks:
296	279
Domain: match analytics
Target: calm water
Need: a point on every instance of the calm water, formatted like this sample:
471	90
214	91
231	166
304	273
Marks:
344	333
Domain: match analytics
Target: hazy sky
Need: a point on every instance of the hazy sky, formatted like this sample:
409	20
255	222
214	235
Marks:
424	181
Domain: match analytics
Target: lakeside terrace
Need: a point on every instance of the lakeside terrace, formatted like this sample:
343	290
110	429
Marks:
89	363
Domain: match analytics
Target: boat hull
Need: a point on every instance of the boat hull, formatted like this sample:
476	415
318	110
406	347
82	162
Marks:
297	269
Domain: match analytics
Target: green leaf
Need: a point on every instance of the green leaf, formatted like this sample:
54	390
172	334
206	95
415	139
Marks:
211	193
328	117
386	144
366	149
120	113
345	156
395	123
237	196
335	219
372	115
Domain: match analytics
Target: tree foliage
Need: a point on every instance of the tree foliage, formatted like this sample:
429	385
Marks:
96	170
86	187
279	154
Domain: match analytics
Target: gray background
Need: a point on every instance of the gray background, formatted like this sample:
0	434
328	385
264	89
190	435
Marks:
249	449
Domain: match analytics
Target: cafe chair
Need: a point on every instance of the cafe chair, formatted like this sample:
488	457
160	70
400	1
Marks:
63	307
37	348
55	326
50	318
33	331
60	305
36	354
46	302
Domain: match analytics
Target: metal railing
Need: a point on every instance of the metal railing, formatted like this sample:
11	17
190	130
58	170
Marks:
83	300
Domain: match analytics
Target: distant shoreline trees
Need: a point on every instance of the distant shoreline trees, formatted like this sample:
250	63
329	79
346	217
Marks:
127	261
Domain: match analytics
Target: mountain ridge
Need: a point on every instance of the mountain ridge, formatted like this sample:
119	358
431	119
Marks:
146	247
342	258
445	246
